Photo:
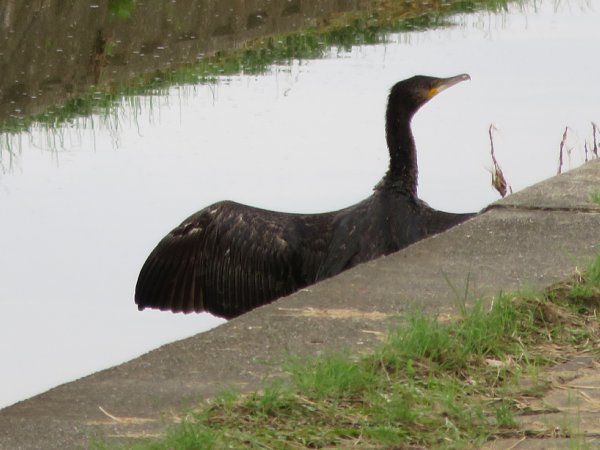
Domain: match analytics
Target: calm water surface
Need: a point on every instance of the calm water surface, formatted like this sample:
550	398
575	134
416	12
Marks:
78	223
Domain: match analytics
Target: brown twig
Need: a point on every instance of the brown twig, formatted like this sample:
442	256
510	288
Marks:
560	154
517	443
498	180
595	148
115	418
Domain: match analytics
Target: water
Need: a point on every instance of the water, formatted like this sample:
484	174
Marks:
78	222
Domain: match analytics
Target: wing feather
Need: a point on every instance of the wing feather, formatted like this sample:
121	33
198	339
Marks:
230	258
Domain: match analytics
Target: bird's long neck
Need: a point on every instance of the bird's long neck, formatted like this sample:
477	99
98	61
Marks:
403	171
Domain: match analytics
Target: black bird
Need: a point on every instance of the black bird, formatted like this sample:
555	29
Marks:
230	258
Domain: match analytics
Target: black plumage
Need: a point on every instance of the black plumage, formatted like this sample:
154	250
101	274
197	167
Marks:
230	258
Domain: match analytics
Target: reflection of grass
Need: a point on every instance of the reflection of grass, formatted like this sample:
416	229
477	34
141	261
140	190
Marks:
121	9
79	113
432	384
368	26
6	152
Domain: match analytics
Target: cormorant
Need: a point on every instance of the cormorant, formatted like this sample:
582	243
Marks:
230	258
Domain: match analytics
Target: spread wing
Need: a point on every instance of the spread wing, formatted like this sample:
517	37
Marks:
230	258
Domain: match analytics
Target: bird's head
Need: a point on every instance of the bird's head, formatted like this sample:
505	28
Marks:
414	92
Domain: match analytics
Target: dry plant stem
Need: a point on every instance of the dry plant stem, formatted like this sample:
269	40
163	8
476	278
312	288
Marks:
498	180
595	148
103	411
560	154
517	443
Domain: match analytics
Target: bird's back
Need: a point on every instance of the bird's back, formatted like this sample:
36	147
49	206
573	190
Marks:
377	226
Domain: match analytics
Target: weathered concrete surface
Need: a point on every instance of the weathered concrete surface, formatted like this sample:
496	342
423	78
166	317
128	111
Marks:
571	407
531	239
568	192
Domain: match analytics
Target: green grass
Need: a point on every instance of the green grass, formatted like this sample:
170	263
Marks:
440	385
595	197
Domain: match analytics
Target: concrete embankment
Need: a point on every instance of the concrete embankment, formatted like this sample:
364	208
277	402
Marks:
530	239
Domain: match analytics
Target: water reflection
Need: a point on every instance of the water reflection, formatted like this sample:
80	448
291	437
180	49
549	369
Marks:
85	58
307	136
51	53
